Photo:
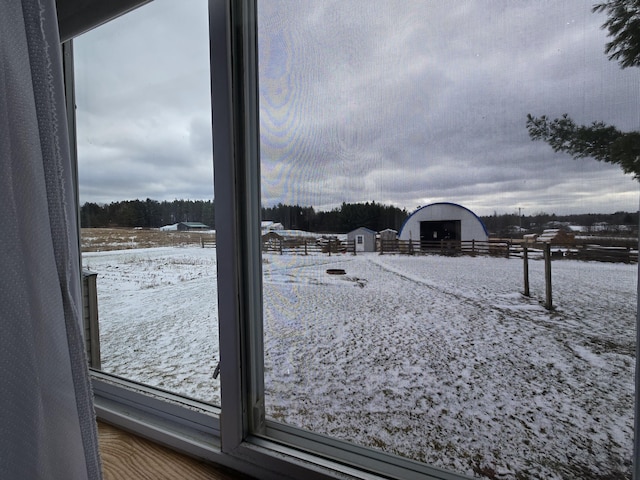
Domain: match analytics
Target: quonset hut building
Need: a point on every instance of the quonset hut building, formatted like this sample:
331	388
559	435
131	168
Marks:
443	221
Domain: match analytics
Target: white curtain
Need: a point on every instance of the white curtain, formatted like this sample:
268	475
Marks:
47	426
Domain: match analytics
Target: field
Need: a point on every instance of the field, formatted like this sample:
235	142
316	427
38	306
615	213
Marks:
107	239
438	359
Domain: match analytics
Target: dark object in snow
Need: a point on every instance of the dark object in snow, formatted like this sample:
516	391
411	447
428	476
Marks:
336	271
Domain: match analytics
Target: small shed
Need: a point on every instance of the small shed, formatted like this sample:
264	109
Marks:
272	237
271	240
388	234
364	238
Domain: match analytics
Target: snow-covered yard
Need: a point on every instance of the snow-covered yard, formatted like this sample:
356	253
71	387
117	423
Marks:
439	359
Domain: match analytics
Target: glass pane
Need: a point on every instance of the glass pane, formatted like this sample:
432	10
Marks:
400	185
146	195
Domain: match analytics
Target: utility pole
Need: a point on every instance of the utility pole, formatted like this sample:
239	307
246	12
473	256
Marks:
520	216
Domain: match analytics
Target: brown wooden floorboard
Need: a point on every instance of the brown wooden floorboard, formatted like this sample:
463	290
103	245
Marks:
126	456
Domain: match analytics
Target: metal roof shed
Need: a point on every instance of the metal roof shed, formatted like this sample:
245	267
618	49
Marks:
185	226
443	221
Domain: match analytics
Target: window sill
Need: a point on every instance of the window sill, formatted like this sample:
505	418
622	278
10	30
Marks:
193	429
129	456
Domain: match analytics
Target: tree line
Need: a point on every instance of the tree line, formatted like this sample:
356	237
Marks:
345	218
154	214
146	213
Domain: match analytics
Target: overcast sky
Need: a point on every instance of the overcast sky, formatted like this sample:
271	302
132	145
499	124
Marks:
403	103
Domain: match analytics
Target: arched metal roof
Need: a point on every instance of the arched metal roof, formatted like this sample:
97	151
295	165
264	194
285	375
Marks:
445	203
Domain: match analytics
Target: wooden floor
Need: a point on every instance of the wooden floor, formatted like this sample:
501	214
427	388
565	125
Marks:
125	456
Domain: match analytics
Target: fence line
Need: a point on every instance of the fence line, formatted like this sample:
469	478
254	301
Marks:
297	246
581	251
497	248
207	243
307	246
446	247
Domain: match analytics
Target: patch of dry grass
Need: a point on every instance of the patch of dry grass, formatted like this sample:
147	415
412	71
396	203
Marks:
105	239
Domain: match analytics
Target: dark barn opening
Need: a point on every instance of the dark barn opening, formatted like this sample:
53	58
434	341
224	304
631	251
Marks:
433	232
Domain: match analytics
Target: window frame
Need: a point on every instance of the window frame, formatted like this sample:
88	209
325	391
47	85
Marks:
237	435
238	204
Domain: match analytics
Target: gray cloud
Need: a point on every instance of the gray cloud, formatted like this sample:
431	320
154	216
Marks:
430	103
143	106
399	102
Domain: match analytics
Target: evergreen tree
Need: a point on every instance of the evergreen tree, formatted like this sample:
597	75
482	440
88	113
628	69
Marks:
601	141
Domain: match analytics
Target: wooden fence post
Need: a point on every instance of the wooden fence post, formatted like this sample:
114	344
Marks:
381	247
547	276
508	249
305	247
280	246
525	257
90	318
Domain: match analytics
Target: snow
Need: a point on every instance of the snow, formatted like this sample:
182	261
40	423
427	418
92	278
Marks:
439	359
157	310
170	228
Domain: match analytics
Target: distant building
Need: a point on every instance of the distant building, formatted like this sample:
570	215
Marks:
556	236
515	230
271	240
364	238
268	225
443	222
555	224
188	226
169	228
600	227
